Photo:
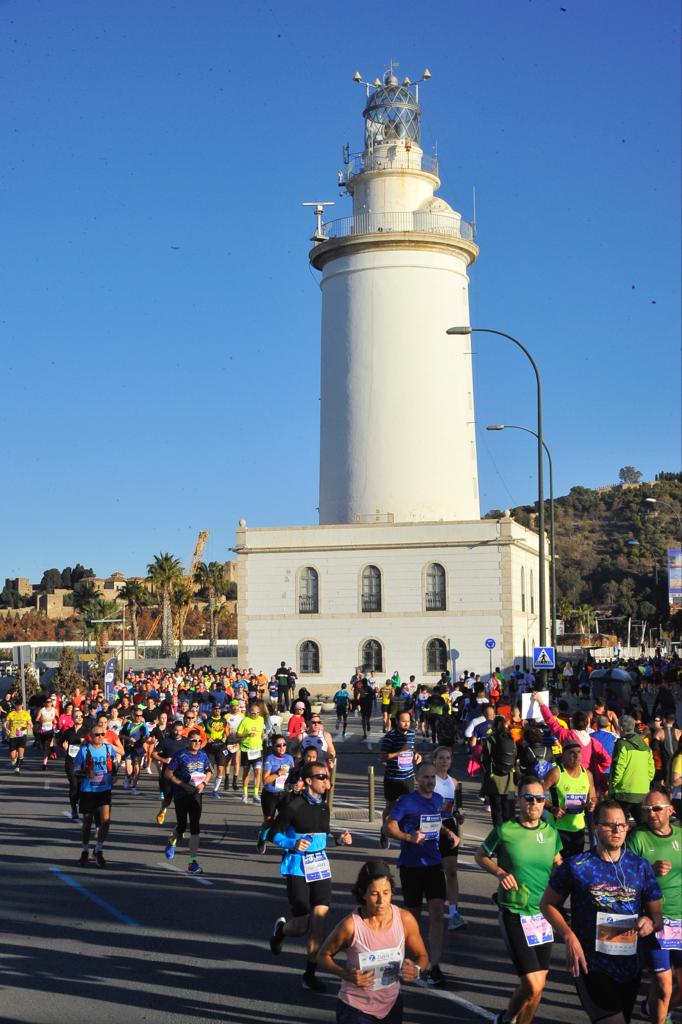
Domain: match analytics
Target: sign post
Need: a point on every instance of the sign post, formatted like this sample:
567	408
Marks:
544	658
491	645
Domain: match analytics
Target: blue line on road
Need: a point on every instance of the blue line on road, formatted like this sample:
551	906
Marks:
123	918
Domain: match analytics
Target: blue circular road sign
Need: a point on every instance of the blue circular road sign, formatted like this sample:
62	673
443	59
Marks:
490	644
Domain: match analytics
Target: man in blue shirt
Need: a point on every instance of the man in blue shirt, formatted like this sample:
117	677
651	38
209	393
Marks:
95	763
399	759
615	902
189	773
341	699
416	822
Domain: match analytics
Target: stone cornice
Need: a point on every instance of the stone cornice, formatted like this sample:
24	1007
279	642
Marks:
349	245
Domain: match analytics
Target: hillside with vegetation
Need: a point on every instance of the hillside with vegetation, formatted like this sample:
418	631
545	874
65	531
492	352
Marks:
611	549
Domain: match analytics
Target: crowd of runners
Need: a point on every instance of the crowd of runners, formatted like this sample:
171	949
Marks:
582	777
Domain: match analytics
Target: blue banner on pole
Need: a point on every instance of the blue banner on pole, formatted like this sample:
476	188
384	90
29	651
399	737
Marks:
109	679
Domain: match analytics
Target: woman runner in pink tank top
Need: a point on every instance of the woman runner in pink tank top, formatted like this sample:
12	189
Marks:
375	938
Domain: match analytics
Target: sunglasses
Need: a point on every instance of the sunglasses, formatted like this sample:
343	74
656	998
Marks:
98	734
316	721
531	799
650	808
280	745
319	776
197	740
616	826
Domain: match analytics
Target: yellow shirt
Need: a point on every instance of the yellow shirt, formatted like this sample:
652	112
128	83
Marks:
18	723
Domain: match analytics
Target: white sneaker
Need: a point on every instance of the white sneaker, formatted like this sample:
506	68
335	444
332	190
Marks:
216	795
245	800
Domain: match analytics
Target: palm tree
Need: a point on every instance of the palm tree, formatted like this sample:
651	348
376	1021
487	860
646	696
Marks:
86	604
212	579
181	596
163	572
136	596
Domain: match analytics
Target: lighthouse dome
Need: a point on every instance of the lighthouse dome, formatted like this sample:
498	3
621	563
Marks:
392	114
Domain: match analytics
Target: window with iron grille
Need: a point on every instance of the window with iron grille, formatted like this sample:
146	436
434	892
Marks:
371	589
309	658
435	588
372	656
436	656
308	591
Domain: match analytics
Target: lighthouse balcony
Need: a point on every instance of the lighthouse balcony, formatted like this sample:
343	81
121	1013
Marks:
392	158
375	223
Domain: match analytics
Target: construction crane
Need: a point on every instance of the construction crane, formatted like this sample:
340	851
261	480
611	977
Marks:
202	537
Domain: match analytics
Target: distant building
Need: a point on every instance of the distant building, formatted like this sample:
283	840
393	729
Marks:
21	585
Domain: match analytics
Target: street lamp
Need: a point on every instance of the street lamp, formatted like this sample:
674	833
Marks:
666	504
123	638
552	547
541	486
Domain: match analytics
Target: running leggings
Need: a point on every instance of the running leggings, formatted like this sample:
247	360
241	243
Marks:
188	806
74	784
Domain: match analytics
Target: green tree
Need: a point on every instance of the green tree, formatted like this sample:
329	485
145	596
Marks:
164	572
136	596
68	677
629	475
212	579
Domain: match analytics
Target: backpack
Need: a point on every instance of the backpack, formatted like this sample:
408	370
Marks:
539	766
502	753
89	763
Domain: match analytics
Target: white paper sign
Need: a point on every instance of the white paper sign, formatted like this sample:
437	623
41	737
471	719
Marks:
530	709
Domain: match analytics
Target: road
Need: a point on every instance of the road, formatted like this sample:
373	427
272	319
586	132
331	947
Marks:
142	941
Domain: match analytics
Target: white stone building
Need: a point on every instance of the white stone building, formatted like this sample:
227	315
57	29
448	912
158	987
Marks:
401	573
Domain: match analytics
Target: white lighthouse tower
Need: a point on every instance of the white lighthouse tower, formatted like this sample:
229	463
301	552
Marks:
401	572
397	414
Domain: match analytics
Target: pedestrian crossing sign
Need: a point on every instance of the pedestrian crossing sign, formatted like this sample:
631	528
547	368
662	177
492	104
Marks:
543	657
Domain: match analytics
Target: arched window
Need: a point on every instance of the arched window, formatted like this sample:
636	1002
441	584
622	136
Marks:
525	656
532	593
523	589
436	656
309	658
435	588
308	591
372	656
371	589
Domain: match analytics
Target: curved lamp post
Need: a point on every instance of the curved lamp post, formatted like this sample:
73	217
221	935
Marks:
666	504
552	547
541	485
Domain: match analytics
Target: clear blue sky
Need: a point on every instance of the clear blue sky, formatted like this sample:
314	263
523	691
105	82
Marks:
159	322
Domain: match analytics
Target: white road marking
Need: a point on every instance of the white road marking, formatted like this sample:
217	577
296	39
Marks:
471	1007
186	874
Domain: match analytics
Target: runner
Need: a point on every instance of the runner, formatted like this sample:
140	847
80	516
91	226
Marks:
45	725
570	788
300	829
16	726
615	902
96	765
166	748
216	749
189	773
232	720
399	759
72	741
660	843
133	736
341	700
317	736
375	938
525	850
276	769
451	792
250	733
416	821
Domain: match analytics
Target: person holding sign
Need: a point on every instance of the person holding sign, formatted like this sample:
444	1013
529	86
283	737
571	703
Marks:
660	843
416	820
374	938
615	902
525	852
570	788
300	830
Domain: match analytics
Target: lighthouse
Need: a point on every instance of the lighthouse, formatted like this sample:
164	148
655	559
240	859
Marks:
397	437
400	572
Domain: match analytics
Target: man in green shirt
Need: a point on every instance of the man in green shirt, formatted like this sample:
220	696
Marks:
660	843
526	851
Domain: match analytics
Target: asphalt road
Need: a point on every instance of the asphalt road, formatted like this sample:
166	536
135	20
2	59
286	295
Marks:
145	941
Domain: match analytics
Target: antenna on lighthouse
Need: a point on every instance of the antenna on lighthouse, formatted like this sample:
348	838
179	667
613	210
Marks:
319	235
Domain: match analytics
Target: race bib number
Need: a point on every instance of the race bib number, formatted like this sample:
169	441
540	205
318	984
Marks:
233	747
616	934
196	778
280	782
72	749
316	866
254	755
19	731
405	760
429	824
670	935
96	778
537	929
575	802
385	964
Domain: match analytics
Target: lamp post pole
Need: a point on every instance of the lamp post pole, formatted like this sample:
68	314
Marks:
552	543
541	484
666	504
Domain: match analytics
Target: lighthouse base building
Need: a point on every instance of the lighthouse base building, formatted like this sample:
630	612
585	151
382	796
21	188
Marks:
401	574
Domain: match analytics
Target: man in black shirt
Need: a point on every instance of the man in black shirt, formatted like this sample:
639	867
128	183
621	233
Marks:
72	740
168	744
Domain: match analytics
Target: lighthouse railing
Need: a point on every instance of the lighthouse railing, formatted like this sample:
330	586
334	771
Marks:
394	159
373	223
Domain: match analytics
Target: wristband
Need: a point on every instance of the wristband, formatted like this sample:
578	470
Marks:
419	971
